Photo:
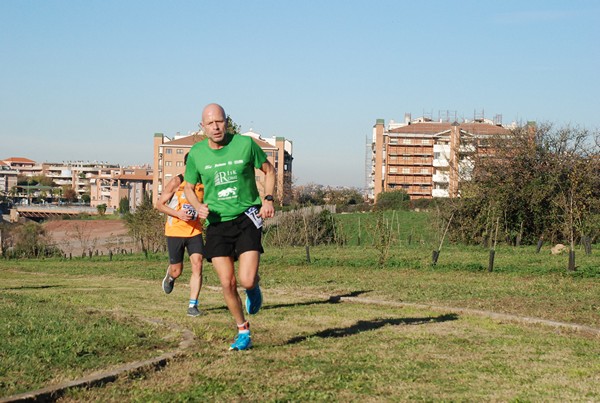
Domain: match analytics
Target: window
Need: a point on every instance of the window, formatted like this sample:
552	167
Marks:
168	163
405	170
179	151
407	141
168	151
393	170
425	171
425	141
179	164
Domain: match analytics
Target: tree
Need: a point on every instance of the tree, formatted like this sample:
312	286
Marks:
124	205
539	181
69	194
101	209
309	194
232	127
392	200
146	226
31	241
310	226
43	180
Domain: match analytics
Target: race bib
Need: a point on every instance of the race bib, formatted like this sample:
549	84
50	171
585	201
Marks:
252	213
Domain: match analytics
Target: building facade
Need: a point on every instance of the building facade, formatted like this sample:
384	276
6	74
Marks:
111	185
169	161
73	174
8	179
425	158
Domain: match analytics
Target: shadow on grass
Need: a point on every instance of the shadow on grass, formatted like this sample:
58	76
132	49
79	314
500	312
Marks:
31	287
367	325
335	299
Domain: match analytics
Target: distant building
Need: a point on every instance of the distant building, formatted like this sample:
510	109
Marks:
427	158
74	174
24	166
111	185
169	161
8	178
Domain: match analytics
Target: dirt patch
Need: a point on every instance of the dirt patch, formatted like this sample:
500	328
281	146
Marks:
82	236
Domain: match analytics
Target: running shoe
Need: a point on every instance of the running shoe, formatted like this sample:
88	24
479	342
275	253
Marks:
168	282
194	311
242	341
253	300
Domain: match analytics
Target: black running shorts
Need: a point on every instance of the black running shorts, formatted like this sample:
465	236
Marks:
177	246
232	238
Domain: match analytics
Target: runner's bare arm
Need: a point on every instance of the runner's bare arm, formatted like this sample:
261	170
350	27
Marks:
165	197
191	197
268	210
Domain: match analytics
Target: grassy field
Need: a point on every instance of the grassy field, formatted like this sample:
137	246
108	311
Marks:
65	319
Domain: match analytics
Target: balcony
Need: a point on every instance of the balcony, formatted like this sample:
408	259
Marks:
420	192
440	178
440	193
441	148
440	163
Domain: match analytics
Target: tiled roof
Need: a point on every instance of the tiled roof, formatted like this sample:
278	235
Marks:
193	139
186	141
19	160
483	128
438	127
263	144
423	128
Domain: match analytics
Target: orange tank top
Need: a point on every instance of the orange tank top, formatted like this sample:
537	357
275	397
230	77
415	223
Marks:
185	229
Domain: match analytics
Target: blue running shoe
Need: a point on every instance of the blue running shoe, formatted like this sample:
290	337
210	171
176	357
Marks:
242	341
253	300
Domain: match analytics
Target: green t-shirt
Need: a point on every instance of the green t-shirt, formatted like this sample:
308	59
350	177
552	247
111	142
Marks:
227	175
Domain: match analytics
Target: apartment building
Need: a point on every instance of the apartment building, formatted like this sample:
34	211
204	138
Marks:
111	185
8	178
169	161
74	174
24	166
427	158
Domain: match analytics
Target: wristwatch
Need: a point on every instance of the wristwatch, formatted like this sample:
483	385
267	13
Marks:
269	198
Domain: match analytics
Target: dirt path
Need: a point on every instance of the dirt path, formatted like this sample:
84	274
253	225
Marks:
79	236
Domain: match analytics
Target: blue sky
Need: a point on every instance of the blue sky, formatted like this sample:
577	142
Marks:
94	80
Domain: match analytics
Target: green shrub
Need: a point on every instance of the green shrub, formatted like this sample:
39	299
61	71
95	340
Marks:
394	200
